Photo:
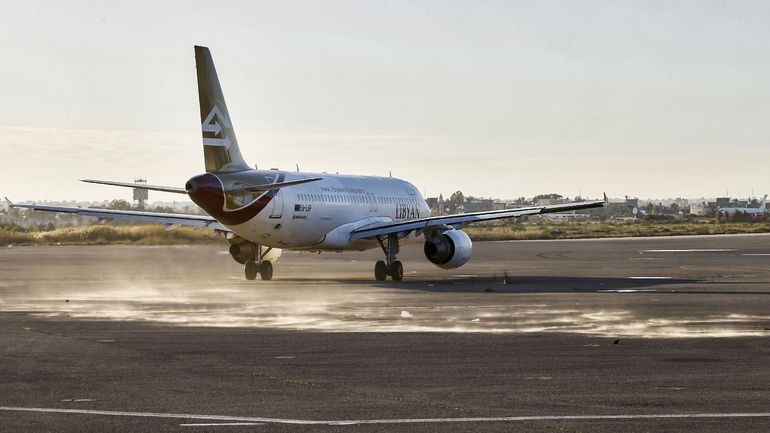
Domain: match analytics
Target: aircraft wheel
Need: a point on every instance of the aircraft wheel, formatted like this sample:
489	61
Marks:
251	270
266	271
396	271
380	271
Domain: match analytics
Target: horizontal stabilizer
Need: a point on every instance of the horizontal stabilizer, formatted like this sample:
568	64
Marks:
269	186
172	189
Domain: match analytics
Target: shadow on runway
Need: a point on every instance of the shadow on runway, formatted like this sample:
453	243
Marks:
561	284
543	284
516	284
548	284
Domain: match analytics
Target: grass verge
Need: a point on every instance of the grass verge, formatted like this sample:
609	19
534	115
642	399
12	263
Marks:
110	235
157	235
608	230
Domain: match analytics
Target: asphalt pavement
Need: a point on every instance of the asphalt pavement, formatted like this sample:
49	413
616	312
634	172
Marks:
645	334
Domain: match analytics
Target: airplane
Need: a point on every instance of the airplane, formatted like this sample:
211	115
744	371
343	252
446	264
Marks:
568	217
262	212
760	210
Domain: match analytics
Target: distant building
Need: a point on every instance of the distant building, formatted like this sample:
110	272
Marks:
623	209
501	205
632	203
723	202
549	199
436	205
140	194
698	208
478	205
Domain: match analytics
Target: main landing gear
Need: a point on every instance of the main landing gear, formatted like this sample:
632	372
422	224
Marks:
390	266
258	265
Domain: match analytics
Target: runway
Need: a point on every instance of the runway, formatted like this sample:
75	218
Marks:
643	334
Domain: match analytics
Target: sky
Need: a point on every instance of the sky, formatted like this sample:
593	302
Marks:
495	98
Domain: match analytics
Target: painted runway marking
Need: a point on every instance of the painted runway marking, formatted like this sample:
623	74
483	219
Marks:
695	250
627	291
214	424
246	419
649	278
756	254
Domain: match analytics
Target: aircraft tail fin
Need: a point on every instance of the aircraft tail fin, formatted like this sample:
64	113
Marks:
220	147
763	203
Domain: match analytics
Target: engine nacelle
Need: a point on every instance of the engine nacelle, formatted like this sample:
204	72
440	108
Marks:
450	249
242	252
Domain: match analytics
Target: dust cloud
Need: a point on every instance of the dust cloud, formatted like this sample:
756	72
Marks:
326	307
199	286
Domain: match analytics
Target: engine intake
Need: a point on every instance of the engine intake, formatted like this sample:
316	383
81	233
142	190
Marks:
242	252
450	249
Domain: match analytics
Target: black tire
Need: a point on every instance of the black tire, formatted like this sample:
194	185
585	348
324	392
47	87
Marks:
266	271
396	271
380	271
251	270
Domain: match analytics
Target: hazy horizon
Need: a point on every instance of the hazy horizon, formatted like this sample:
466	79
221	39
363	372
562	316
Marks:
497	99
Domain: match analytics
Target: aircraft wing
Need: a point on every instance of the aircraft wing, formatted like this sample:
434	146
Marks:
169	219
429	223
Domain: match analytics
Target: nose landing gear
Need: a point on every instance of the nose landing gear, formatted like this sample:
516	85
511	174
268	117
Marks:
390	266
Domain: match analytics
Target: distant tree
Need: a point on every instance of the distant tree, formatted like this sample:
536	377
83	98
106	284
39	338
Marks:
457	198
119	205
551	196
162	209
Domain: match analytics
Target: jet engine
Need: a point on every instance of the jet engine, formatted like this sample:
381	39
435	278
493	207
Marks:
450	249
244	251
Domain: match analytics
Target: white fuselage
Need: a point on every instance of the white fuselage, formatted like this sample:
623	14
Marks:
746	210
321	215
